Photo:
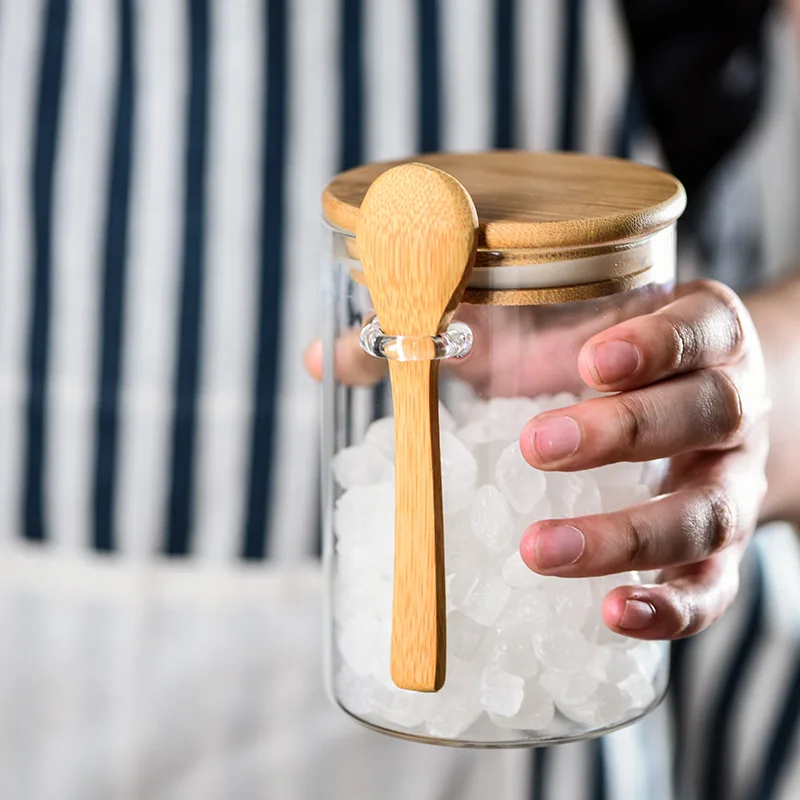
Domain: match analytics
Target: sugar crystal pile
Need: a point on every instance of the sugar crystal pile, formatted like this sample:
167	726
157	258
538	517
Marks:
525	653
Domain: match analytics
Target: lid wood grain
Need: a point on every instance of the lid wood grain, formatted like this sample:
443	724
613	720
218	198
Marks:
537	200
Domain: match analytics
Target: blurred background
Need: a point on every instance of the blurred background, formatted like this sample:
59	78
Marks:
161	163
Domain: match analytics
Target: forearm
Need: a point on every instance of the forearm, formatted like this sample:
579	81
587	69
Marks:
776	314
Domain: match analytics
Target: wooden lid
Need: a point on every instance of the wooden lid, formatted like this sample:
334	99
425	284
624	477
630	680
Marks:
537	201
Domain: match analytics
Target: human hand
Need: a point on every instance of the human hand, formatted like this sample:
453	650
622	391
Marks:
505	337
691	386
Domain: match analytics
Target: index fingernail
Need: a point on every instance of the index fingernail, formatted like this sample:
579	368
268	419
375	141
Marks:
614	361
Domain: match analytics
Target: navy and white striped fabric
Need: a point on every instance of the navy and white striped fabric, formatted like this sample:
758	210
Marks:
165	161
149	222
160	169
164	167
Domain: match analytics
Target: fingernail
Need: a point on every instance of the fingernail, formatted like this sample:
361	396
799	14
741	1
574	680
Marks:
614	361
636	615
555	438
559	546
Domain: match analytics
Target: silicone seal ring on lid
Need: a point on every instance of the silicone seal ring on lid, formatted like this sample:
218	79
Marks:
455	342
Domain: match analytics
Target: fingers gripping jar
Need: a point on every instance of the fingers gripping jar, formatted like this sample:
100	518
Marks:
567	246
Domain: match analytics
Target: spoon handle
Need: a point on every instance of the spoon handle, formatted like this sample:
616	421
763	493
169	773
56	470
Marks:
418	614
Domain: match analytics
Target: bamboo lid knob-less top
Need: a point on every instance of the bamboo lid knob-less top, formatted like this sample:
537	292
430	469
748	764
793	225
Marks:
538	201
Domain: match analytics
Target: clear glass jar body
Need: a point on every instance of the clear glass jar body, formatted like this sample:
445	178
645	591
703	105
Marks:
529	660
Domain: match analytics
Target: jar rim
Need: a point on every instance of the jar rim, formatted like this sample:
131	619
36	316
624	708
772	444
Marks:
517	256
590	273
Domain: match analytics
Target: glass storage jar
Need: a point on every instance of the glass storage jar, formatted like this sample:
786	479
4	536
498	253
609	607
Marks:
567	245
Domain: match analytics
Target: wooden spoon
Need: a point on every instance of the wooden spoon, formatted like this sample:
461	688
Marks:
417	236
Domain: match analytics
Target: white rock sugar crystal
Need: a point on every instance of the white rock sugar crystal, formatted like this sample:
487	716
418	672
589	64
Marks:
446	421
481	594
474	433
563	490
490	518
649	656
512	652
364	514
505	417
525	652
521	484
406	709
487	454
380	435
528	610
464	636
568	688
363	521
589	500
457	703
571	601
459	472
620	666
352	690
361	465
501	692
639	689
364	645
463	552
561	650
535	713
516	573
352	597
608	706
